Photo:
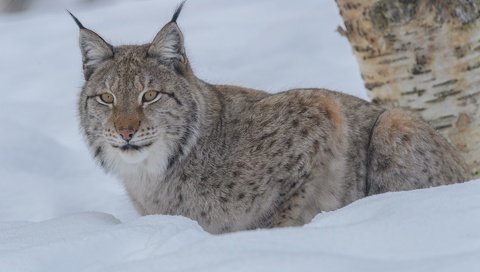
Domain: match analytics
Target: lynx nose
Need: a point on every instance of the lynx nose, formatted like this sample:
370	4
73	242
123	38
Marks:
126	133
126	126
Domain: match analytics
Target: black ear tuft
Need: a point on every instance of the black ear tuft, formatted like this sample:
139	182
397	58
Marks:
76	20
177	12
167	45
95	50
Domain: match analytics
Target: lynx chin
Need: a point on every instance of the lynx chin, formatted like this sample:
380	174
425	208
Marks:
234	158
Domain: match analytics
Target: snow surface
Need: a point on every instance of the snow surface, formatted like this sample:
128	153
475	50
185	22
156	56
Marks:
60	212
427	230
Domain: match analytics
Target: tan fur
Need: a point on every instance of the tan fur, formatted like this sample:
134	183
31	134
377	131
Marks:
234	158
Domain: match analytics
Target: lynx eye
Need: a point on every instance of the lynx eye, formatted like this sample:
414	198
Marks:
149	96
106	98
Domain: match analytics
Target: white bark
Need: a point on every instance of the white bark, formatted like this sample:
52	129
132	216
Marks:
423	55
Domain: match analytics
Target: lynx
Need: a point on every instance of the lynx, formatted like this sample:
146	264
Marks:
234	158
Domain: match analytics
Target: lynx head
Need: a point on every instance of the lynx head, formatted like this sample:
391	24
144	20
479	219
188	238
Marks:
138	101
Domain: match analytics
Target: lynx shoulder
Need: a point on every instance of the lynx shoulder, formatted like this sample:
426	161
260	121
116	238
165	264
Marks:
234	158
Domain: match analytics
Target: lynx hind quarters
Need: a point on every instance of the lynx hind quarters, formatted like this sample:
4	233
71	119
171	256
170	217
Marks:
406	153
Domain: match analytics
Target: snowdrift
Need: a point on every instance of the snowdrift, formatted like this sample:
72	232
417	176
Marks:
426	230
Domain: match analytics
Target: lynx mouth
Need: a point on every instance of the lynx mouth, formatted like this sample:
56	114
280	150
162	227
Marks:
133	154
132	147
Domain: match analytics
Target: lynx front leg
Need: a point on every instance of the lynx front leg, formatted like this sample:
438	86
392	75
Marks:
297	210
290	214
405	153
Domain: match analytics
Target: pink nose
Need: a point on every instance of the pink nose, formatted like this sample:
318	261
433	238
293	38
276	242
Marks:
126	133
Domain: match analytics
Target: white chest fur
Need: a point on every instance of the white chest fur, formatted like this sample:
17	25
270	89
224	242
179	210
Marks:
141	171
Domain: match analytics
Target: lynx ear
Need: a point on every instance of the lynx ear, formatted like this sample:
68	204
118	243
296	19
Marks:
94	49
168	43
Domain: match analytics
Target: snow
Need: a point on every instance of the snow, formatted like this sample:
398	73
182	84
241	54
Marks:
60	212
427	230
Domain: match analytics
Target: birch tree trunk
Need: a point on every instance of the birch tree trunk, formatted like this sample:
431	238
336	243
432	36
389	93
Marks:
423	55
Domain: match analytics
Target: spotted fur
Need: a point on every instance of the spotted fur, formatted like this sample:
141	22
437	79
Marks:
234	158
